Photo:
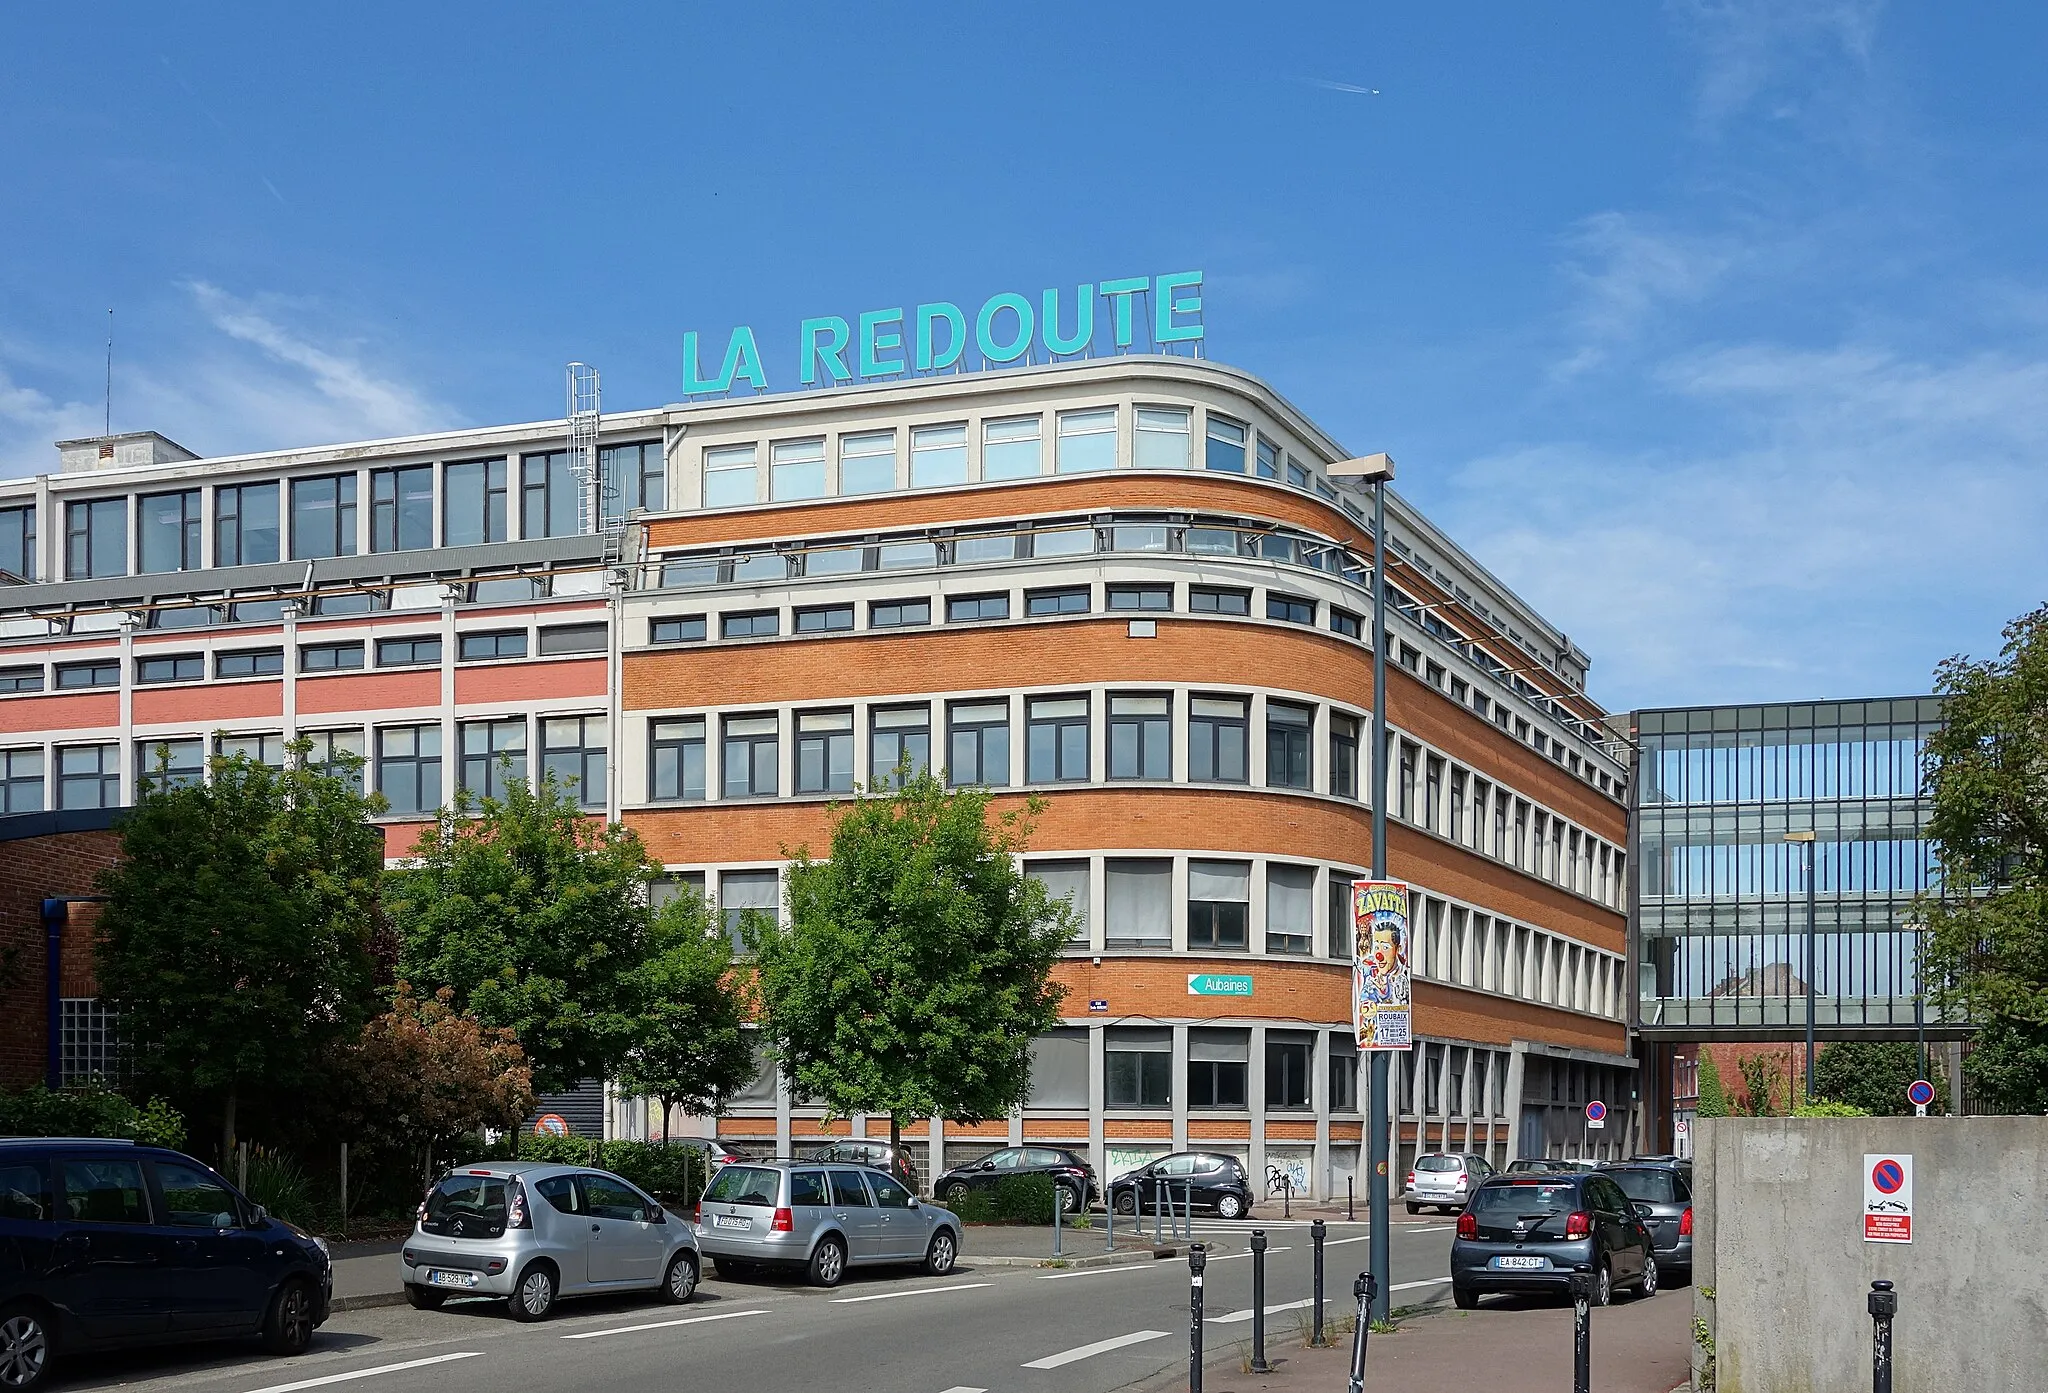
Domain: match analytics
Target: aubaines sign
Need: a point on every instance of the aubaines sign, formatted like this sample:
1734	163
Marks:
831	349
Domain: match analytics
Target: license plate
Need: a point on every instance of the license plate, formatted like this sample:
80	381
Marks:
1520	1262
731	1221
438	1278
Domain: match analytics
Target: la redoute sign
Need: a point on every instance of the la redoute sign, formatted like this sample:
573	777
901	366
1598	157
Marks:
1129	312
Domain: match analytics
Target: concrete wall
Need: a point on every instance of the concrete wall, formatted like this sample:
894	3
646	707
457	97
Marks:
1779	1242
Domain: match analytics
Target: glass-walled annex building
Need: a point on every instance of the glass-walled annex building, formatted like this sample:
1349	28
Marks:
1718	915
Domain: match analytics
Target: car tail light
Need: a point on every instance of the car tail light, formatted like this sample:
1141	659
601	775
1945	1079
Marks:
697	1214
1578	1224
1468	1225
1411	1180
1685	1223
1461	1178
785	1221
516	1216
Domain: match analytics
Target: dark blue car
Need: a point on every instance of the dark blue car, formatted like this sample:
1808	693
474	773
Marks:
105	1244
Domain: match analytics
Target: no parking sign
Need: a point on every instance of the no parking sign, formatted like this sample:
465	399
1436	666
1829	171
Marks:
1887	1198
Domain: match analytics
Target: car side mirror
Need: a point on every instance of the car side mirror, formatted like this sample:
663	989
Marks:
257	1216
913	1202
655	1215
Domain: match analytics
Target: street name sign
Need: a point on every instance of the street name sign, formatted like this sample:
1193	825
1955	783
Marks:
1218	984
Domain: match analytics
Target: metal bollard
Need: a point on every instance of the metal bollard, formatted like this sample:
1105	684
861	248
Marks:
1198	1258
1187	1208
1350	1200
1059	1196
1287	1197
1158	1203
1108	1222
1582	1328
1259	1364
1316	1340
1364	1289
1884	1304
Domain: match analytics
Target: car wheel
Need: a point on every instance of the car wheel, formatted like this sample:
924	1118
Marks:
25	1341
828	1262
954	1193
1127	1202
1465	1298
1072	1203
533	1295
1648	1286
288	1327
1414	1209
1229	1207
1603	1285
424	1298
679	1283
938	1259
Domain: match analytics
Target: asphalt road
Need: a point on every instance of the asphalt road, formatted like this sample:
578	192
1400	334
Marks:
1085	1330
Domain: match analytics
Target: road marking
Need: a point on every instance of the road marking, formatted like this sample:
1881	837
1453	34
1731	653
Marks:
1246	1314
1080	1352
915	1291
1276	1248
656	1325
1108	1271
963	1388
1410	1286
367	1373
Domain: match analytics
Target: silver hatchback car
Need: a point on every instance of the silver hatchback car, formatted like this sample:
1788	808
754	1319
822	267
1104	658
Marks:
531	1232
820	1218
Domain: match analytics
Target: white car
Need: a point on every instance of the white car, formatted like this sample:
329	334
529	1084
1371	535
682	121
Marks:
1445	1179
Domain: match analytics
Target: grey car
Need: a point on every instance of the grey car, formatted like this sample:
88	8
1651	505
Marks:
531	1232
820	1219
1662	1196
1445	1179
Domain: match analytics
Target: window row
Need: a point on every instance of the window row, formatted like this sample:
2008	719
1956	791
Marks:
1466	947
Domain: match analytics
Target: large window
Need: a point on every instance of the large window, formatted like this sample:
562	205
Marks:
1059	1069
749	756
245	530
1287	1068
324	516
501	643
1208	599
96	538
266	748
167	531
1071	599
978	744
493	752
796	469
1218	1062
71	676
899	738
408	767
824	619
1290	609
402	508
1287	745
968	609
1343	1072
573	749
548	495
339	754
473	508
165	764
18	541
1161	438
1087	441
558	639
1219	905
1140	729
676	758
171	667
1137	1067
1218	739
1140	597
729	480
1065	880
867	462
1009	449
21	781
1341	931
414	650
1226	445
1137	903
824	752
763	623
1056	740
1343	755
88	776
27	678
938	456
899	614
633	478
684	628
745	893
330	657
1290	909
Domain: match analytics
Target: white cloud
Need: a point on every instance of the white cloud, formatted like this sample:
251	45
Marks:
1770	53
1627	272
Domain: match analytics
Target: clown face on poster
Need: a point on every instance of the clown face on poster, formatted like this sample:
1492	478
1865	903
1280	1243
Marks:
1379	964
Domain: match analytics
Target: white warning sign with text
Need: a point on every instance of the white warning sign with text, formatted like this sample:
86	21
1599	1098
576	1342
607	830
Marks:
1887	1199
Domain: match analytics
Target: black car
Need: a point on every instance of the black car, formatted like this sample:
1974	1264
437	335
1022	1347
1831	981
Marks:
106	1244
1218	1182
1069	1171
1662	1195
1530	1232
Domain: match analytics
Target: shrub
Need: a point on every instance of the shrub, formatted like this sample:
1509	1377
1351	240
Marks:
1828	1107
672	1174
1013	1199
1713	1094
280	1185
92	1111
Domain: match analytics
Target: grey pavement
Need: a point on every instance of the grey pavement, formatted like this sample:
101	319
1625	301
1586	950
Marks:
1075	1330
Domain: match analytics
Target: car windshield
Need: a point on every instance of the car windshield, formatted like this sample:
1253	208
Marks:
467	1206
1647	1186
1439	1163
1534	1201
744	1185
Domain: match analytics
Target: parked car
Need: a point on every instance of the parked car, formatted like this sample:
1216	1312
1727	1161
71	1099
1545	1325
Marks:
1445	1179
821	1219
1219	1182
1540	1165
1530	1232
879	1154
1068	1169
1680	1164
533	1232
106	1244
1662	1196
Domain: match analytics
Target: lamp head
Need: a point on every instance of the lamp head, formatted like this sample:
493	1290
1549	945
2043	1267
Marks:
1805	836
1367	469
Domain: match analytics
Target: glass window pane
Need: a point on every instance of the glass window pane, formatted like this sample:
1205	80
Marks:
1087	441
1009	449
729	476
938	456
1161	438
867	463
797	469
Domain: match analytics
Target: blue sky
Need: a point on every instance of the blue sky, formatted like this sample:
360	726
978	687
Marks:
1720	331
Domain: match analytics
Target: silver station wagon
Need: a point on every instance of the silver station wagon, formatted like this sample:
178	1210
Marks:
530	1232
820	1219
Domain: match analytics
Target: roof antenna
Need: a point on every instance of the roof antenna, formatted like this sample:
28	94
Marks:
110	373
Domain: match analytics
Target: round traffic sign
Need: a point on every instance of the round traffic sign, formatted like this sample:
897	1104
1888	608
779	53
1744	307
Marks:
1596	1111
1919	1093
1888	1175
551	1124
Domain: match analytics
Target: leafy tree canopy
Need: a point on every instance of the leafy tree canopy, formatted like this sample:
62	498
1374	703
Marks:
1987	930
690	1050
916	965
236	938
1872	1075
534	913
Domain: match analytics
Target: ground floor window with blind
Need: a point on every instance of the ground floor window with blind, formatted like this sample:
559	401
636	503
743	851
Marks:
1218	1063
1138	1067
1290	908
1059	1069
1138	903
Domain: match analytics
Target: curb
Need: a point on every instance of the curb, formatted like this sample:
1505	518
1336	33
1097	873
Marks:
367	1301
1095	1260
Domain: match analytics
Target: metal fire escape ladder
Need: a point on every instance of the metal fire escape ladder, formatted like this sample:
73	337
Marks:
594	493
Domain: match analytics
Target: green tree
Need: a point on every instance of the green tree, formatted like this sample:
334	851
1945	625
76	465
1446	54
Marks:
1762	1076
1873	1074
916	967
690	1050
1987	929
236	938
1713	1093
535	914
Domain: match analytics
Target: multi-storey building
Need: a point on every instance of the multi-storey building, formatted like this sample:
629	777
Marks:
1130	587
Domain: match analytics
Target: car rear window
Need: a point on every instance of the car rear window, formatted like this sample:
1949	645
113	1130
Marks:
1439	1163
1647	1187
467	1206
753	1185
1524	1200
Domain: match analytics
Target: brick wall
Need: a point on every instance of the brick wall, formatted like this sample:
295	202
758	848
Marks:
31	869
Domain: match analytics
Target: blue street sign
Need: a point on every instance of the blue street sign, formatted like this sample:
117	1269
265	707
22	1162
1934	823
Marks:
1218	984
1919	1093
1098	1004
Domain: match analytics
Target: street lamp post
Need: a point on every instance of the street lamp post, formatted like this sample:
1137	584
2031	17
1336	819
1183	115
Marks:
1805	839
1377	470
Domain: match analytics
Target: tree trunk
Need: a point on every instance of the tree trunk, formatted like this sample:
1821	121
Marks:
895	1132
227	1131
